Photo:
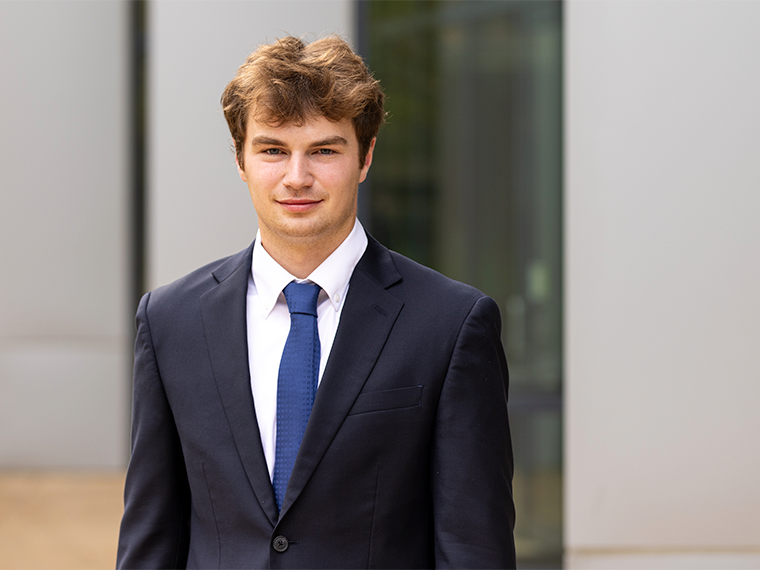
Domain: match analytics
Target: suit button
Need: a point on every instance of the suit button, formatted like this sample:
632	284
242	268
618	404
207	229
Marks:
280	544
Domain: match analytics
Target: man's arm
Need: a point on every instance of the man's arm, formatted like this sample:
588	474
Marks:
471	468
155	527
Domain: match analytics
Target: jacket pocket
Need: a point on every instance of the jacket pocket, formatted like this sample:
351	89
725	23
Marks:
383	400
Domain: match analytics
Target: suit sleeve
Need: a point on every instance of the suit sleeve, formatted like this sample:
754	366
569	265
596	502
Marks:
471	469
155	526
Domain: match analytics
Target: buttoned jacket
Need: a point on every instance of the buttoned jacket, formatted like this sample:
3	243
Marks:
406	461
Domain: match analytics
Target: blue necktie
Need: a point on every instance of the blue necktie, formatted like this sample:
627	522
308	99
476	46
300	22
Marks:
297	381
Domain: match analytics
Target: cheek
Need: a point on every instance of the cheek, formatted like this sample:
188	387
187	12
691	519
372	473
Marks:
260	195
341	183
263	177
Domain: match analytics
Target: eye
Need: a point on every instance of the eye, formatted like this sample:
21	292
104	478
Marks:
272	151
325	151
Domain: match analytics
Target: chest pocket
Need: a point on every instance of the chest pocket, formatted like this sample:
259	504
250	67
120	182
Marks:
384	400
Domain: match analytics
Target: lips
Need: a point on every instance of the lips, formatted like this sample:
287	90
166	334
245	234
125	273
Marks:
298	205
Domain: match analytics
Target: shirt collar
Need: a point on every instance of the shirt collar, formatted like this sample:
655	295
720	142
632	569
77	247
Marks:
333	274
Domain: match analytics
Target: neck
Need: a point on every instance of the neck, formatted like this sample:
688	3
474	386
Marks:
301	257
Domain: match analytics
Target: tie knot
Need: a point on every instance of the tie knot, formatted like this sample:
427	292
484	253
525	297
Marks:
302	297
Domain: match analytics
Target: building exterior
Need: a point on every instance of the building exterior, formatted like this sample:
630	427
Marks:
654	380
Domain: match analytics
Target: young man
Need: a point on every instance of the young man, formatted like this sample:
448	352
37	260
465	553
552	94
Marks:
366	429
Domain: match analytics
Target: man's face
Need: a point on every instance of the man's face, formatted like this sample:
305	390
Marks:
303	181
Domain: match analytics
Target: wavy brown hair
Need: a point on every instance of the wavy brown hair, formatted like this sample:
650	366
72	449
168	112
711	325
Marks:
289	81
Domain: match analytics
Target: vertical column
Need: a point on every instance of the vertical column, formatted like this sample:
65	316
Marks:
63	228
662	281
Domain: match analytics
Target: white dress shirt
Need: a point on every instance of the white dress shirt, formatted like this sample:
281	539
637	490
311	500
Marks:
268	321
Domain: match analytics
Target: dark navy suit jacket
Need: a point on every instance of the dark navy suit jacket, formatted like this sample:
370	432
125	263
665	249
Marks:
406	461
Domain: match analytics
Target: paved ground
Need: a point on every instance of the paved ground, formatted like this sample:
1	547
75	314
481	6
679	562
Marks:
59	520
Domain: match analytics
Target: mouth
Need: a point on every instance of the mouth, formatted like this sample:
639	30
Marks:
299	205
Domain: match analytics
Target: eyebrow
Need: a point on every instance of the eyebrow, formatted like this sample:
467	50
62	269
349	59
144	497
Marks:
331	141
263	140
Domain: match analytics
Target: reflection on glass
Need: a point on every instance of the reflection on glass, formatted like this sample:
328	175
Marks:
467	179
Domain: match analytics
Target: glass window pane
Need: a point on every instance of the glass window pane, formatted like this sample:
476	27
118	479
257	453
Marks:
467	179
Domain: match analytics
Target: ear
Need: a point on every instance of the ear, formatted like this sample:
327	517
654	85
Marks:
241	172
367	161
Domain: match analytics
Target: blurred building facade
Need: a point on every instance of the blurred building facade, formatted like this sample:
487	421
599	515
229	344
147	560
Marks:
592	165
64	172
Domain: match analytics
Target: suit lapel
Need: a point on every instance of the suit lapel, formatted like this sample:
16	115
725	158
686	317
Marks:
365	323
223	309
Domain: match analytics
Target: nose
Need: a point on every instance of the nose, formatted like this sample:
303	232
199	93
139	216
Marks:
298	174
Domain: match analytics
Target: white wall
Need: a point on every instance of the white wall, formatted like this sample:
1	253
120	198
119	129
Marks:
63	242
199	210
65	315
662	284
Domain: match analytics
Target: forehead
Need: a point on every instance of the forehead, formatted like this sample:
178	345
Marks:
312	129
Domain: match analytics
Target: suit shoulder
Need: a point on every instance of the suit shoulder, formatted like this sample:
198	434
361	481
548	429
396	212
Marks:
433	299
190	287
416	275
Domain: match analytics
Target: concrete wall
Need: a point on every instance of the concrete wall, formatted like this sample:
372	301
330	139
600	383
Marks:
63	242
199	210
662	284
